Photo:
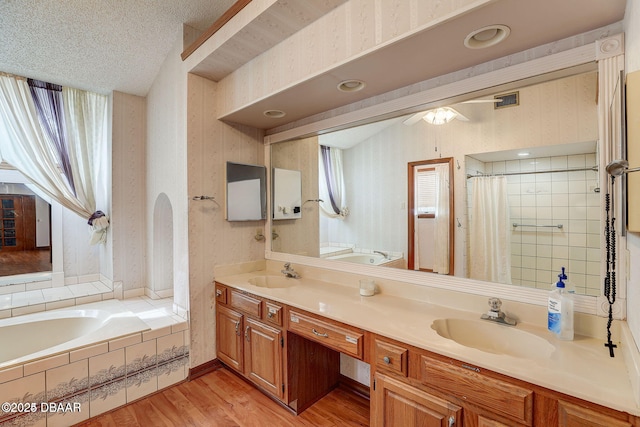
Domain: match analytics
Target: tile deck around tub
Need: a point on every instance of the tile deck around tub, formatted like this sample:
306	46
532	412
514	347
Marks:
51	298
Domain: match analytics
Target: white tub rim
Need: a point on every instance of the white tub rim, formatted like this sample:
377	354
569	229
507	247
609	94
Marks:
119	323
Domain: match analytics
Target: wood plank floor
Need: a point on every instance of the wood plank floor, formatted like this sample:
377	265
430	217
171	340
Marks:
21	262
220	398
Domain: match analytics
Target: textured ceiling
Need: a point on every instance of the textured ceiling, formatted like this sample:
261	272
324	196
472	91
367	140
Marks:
98	45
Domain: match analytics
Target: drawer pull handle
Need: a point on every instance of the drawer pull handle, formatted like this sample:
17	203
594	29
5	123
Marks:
271	314
386	360
325	335
471	368
218	292
452	421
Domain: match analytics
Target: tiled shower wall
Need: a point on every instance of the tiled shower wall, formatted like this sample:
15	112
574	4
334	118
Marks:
558	198
96	379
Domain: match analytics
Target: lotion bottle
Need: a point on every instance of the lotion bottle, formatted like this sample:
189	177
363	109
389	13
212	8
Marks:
560	310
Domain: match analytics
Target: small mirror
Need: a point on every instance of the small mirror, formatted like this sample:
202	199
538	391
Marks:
246	192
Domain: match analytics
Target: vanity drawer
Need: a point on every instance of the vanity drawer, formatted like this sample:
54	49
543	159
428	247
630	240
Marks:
341	338
221	294
466	382
245	303
273	313
390	357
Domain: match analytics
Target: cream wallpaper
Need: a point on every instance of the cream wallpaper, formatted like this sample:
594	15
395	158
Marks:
299	236
128	232
214	241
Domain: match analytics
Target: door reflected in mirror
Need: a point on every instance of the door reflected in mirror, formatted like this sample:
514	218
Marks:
431	246
559	116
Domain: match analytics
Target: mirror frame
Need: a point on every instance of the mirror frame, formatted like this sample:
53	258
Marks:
605	54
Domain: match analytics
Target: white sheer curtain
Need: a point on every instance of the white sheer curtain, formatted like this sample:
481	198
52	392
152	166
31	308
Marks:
25	147
441	228
490	242
331	183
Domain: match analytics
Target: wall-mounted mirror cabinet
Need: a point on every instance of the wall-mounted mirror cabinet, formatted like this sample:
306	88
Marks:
246	192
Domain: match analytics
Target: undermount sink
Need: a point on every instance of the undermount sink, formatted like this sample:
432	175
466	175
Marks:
273	281
493	338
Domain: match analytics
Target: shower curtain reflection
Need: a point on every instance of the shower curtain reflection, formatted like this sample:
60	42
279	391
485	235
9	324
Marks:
490	242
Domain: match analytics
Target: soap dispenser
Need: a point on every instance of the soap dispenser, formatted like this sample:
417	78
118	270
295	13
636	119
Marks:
560	310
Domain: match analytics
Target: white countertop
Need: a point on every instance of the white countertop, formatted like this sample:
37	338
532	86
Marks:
580	368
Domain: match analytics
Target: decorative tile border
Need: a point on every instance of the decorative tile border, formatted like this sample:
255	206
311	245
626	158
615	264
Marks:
93	393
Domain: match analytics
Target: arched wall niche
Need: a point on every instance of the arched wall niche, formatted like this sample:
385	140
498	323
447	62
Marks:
162	251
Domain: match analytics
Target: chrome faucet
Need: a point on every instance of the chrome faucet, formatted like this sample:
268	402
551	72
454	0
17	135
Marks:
496	315
384	254
290	272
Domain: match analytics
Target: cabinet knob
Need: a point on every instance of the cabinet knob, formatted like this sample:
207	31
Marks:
270	314
386	360
218	292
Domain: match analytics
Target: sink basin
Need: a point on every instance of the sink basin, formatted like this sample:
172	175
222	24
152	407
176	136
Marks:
273	281
493	338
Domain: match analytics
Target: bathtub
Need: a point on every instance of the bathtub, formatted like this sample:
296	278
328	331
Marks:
362	258
39	335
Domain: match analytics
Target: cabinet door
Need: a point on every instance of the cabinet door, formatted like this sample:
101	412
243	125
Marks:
263	356
570	415
398	404
229	327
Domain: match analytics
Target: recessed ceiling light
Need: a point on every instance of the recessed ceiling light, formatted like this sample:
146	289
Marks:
274	114
486	36
351	85
524	154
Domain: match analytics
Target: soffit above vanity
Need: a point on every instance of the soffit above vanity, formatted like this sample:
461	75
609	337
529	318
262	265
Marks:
255	28
431	51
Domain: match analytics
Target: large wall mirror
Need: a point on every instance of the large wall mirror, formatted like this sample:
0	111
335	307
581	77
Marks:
524	163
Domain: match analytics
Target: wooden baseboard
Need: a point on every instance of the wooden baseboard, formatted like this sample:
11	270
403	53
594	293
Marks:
205	368
355	387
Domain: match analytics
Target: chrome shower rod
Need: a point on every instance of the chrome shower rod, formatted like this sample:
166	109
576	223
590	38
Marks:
591	168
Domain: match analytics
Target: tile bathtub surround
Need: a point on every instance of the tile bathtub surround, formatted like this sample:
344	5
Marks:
104	376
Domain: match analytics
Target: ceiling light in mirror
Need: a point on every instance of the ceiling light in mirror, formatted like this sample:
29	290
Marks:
440	116
443	115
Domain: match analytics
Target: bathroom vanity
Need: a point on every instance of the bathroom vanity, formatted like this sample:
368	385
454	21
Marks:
284	335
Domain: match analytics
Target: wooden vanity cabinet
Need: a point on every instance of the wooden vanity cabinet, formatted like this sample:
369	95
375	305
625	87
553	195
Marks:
247	344
294	356
478	397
